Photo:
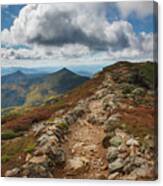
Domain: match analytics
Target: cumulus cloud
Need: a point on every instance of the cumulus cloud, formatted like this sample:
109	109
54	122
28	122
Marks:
141	9
60	24
69	30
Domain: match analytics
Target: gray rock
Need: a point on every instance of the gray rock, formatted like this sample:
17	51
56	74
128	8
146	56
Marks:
113	176
38	159
12	173
132	142
77	165
79	110
112	154
139	91
116	141
70	119
57	155
115	166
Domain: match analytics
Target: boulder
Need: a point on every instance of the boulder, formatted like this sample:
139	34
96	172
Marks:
70	119
116	141
113	175
57	155
138	91
112	154
79	110
132	142
12	173
115	166
38	159
77	164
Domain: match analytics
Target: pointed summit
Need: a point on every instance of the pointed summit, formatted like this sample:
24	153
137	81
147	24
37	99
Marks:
19	73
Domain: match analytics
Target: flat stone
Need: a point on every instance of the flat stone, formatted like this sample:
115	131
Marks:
132	142
113	176
112	154
77	164
115	166
38	159
116	141
12	172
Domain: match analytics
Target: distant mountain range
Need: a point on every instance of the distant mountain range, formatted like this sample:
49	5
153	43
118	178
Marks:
82	70
19	88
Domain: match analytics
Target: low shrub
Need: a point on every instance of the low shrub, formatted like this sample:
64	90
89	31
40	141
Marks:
30	148
8	134
5	158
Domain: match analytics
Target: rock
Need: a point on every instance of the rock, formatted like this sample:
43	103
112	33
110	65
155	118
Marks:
38	128
28	157
59	157
139	161
43	139
129	177
91	148
70	119
123	155
92	119
37	171
12	173
116	141
38	159
114	117
112	154
139	91
78	145
121	133
132	142
132	162
149	143
113	176
79	110
104	167
77	164
123	148
49	133
115	166
100	176
144	172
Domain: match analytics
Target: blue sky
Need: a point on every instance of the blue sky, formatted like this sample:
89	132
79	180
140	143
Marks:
10	12
8	15
96	32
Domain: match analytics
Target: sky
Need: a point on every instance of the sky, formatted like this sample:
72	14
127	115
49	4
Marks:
77	33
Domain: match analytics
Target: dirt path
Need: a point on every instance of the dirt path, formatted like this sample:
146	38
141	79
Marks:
84	141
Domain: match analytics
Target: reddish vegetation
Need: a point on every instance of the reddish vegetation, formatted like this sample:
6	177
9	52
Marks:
23	122
140	115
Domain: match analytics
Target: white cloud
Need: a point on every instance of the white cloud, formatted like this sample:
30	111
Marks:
141	9
68	31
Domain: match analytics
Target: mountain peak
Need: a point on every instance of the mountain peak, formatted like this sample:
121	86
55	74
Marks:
19	72
64	69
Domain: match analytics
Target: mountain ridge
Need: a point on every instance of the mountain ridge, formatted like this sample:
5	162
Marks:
54	83
95	131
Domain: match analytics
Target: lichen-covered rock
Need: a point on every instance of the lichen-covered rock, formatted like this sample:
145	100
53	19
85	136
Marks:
138	91
77	164
112	154
116	141
12	173
132	142
115	166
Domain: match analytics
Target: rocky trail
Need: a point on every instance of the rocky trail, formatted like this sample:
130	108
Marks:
86	158
93	141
